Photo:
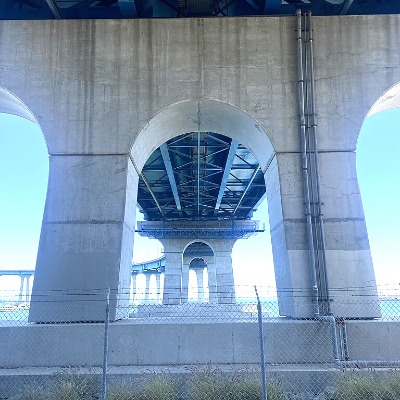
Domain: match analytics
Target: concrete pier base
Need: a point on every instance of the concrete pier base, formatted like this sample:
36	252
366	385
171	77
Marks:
138	343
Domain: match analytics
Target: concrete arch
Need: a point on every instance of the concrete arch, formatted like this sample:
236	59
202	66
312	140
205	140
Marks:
202	115
388	100
198	258
198	241
12	104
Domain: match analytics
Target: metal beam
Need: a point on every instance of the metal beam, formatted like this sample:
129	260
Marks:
54	9
170	172
246	190
345	7
152	193
271	6
128	8
227	170
253	4
261	199
198	174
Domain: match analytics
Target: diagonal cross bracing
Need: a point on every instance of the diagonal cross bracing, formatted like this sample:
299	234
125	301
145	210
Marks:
246	190
54	9
227	170
170	173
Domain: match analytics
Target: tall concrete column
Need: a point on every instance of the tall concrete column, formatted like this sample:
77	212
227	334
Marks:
158	287
288	236
350	273
200	284
185	283
225	281
212	282
28	278
133	290
86	240
173	272
21	288
147	288
348	257
223	261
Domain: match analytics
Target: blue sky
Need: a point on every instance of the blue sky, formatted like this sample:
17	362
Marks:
23	179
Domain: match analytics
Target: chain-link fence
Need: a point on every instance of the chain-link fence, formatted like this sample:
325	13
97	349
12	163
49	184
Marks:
196	350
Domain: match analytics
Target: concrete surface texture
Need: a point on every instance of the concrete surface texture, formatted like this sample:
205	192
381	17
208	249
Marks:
190	343
106	93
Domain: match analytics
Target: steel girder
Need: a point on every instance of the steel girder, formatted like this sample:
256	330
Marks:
92	9
200	176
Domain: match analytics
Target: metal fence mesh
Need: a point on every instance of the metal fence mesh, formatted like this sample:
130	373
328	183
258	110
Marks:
194	351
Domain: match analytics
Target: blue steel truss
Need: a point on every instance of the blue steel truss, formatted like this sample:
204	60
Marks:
200	176
117	9
200	230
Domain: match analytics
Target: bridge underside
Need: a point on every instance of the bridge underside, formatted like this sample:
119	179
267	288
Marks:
89	9
104	109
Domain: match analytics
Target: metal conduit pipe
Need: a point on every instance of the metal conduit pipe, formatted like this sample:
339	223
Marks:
319	221
304	161
344	351
332	323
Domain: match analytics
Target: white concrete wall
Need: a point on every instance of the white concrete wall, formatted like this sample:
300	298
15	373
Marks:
288	342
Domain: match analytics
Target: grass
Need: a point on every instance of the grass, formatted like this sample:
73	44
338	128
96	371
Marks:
357	386
157	388
214	385
65	387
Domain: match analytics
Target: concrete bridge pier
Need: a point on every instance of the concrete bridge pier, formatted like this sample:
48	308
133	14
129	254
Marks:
185	280
24	283
225	280
200	284
86	240
21	288
172	293
133	289
158	287
28	278
216	254
212	281
147	276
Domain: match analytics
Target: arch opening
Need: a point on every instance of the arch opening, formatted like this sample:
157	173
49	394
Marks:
24	172
190	126
377	171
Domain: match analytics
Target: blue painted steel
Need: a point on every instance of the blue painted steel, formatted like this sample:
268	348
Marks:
227	170
117	9
153	266
170	173
128	8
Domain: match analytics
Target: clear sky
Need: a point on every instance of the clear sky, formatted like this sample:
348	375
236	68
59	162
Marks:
24	173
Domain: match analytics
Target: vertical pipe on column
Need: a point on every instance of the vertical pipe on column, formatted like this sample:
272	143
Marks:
320	237
105	347
198	174
304	162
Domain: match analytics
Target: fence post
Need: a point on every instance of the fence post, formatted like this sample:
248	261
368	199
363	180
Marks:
105	347
262	354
